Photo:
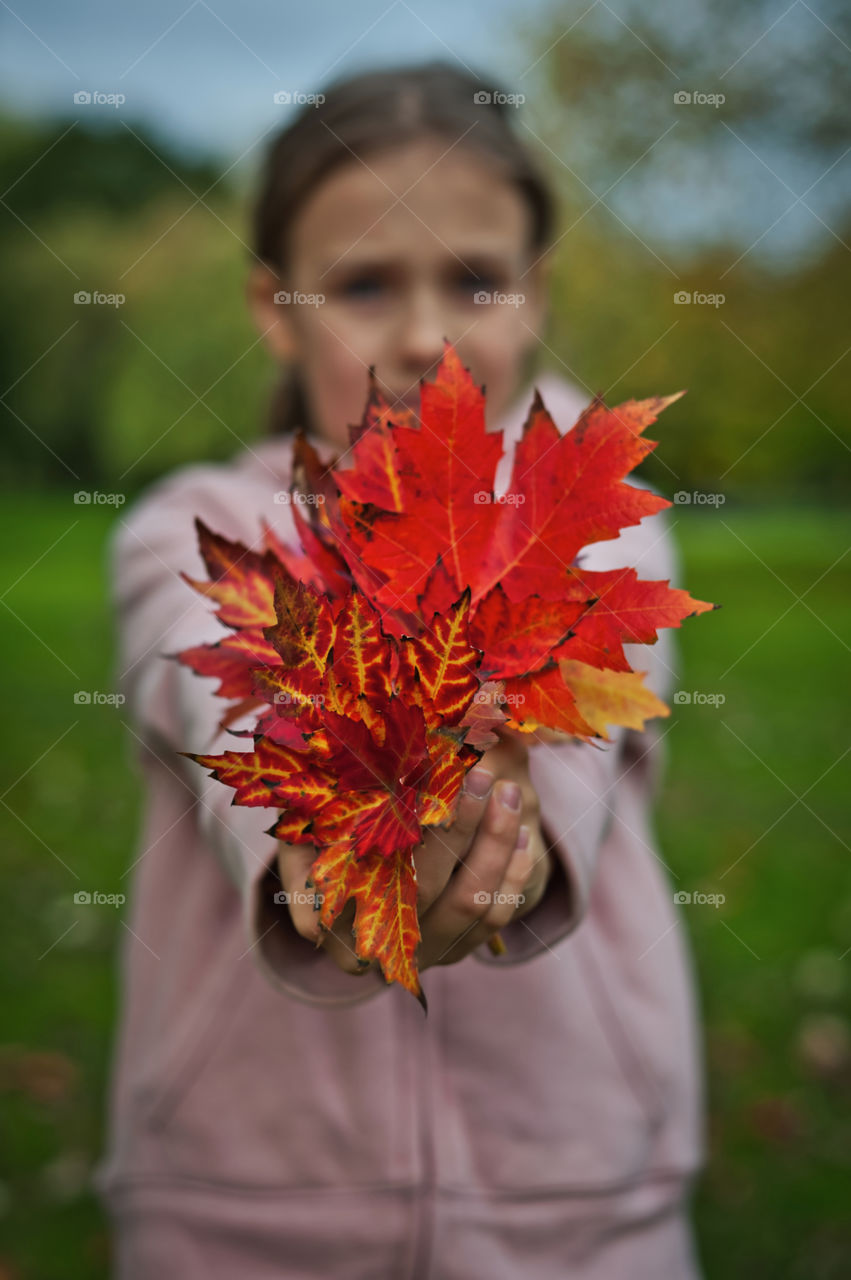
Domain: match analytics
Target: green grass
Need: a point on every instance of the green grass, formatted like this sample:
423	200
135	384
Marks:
772	1202
772	958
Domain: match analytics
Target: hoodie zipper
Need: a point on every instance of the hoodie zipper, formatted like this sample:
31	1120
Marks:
423	1068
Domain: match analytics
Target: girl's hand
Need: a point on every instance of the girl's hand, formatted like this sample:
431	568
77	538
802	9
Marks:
472	878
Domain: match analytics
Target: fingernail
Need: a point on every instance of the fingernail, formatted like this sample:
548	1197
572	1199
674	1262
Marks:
510	795
522	839
478	783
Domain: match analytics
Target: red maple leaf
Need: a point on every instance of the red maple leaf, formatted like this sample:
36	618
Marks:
423	614
418	520
373	751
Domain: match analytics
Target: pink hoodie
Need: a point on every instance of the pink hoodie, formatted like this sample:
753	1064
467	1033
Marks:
272	1116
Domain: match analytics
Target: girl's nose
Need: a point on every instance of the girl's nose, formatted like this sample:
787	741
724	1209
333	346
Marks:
422	328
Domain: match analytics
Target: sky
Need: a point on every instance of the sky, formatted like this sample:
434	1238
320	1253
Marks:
205	73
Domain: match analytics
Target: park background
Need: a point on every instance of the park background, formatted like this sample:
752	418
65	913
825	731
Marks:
701	153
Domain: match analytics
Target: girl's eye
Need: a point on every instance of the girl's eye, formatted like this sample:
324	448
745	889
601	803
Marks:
473	283
367	288
362	287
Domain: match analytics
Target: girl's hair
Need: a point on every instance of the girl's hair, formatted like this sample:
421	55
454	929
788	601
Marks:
368	112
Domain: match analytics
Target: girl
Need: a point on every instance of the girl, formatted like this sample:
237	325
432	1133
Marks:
276	1111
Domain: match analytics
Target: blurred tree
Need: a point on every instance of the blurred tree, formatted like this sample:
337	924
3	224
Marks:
194	376
698	200
602	91
90	392
65	168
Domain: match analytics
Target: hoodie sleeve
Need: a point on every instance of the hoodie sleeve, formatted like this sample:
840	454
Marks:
172	709
579	785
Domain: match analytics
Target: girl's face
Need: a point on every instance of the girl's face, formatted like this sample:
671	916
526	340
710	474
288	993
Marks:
389	257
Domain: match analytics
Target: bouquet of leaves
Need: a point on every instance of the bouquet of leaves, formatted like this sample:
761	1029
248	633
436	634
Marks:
421	614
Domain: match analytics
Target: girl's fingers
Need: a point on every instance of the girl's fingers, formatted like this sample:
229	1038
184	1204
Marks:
501	910
294	863
339	942
444	848
464	883
469	896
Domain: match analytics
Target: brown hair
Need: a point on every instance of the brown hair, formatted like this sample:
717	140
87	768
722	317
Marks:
364	113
